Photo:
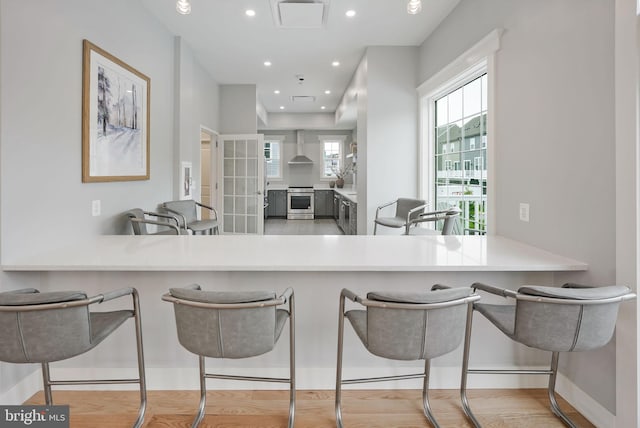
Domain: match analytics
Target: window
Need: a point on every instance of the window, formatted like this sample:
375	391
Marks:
456	108
331	156
461	115
273	156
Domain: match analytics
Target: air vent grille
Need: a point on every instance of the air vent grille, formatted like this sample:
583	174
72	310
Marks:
299	14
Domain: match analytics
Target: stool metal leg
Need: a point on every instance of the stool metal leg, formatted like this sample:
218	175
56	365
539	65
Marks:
339	364
292	361
465	369
46	378
141	369
425	394
555	408
203	394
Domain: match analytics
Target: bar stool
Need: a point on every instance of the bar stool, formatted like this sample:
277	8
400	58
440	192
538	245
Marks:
557	319
46	327
405	326
225	324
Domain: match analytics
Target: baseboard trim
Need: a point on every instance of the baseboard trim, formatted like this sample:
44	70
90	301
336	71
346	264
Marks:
584	403
24	389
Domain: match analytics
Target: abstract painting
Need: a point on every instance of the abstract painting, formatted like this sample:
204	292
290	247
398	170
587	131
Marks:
115	118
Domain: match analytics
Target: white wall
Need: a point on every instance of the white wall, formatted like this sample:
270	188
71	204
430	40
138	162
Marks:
305	175
554	137
238	109
391	147
197	96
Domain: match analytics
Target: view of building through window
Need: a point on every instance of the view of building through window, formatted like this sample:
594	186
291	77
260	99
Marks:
461	153
331	157
272	157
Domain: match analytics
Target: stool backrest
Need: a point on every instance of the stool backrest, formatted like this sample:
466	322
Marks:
30	333
567	319
416	331
219	325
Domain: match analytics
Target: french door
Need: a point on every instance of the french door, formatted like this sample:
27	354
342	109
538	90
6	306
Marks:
242	183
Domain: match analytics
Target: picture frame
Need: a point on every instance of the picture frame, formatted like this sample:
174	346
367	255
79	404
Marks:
186	181
116	102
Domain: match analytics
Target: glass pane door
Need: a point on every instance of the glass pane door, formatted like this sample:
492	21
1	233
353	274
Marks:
242	184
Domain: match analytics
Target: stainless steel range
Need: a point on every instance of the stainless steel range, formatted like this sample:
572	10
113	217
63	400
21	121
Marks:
300	203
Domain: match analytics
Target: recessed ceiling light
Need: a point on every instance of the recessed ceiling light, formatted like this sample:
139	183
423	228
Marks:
183	7
281	107
327	92
323	107
267	63
276	92
351	13
335	63
250	12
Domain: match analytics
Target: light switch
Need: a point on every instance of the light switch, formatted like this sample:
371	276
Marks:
95	208
524	212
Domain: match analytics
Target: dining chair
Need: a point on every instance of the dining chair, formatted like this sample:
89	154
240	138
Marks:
406	209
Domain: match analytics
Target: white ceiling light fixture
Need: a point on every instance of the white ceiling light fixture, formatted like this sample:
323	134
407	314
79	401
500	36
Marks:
335	63
327	92
414	7
250	12
183	7
276	92
267	63
350	13
323	107
281	107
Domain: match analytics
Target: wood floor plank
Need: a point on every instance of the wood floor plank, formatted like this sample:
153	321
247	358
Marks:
494	408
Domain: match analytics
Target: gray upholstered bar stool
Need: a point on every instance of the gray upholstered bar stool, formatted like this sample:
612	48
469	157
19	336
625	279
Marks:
46	327
557	319
224	324
405	326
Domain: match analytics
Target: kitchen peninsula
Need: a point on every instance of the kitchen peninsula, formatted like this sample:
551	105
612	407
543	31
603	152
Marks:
316	267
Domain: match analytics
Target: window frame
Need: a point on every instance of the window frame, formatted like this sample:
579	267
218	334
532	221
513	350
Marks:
331	138
280	140
473	63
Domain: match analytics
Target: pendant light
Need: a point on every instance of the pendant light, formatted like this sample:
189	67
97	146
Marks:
414	7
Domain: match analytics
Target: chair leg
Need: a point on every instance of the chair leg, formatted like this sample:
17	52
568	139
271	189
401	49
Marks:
203	394
46	378
465	369
555	408
425	394
339	365
292	361
375	227
141	368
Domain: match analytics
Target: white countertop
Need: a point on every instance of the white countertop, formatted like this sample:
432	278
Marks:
297	253
348	192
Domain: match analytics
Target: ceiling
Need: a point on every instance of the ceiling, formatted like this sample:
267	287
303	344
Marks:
233	47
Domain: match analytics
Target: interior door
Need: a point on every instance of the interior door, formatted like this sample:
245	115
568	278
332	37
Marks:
242	183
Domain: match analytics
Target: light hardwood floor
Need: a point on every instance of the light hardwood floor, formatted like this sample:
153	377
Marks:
314	409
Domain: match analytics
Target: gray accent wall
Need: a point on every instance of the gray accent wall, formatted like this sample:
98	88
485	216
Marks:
554	137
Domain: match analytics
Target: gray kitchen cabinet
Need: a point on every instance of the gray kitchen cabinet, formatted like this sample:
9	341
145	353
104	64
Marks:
277	203
323	203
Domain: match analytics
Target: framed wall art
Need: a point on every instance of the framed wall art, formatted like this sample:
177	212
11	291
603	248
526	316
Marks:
115	118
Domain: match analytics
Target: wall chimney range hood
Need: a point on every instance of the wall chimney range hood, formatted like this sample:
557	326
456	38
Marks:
300	158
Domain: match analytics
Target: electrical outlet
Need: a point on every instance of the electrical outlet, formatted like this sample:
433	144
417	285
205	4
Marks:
95	208
524	212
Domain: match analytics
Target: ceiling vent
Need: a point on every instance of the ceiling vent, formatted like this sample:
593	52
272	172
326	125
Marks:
303	99
299	13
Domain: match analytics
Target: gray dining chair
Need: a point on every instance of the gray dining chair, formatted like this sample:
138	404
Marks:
449	218
139	220
229	324
407	209
53	326
557	319
187	213
394	325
